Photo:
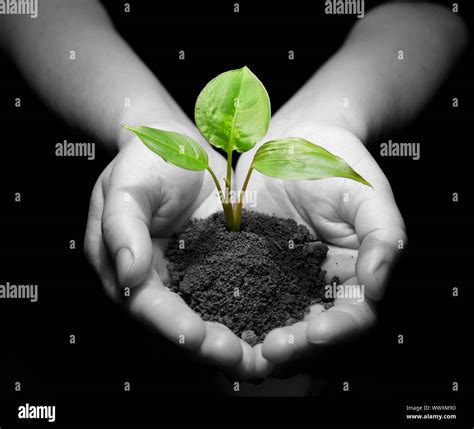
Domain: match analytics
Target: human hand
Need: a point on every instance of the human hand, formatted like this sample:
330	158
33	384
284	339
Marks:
138	201
363	227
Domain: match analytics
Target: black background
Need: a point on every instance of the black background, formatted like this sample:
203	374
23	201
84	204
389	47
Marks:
85	380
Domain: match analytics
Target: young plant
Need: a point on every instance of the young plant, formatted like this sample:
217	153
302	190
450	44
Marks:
233	114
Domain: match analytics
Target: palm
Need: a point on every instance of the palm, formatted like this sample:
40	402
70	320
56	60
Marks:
335	210
137	203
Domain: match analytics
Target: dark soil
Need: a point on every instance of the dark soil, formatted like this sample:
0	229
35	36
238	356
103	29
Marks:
263	277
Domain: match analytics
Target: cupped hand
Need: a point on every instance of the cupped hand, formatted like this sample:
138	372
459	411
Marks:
364	229
138	201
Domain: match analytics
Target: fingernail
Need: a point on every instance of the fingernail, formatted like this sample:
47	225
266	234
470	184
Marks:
123	261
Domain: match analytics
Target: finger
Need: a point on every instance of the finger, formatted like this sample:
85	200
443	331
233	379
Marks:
167	313
314	311
245	369
263	367
343	323
381	231
94	247
125	229
160	263
93	234
282	344
221	347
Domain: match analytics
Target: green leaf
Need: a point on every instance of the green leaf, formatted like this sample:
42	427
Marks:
233	111
176	148
298	159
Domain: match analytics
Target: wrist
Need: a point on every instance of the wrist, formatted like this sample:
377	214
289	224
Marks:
125	137
160	112
154	117
182	125
331	114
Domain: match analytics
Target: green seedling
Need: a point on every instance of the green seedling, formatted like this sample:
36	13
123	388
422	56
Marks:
233	114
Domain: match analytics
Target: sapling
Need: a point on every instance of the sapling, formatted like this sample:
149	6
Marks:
233	114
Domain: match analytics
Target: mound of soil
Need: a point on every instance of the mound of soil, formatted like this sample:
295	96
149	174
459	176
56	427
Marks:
263	277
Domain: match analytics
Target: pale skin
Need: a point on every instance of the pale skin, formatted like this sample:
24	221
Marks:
139	199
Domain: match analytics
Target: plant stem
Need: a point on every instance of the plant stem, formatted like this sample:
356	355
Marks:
228	181
226	205
229	215
238	207
218	185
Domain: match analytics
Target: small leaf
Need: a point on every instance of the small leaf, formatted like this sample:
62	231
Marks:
298	159
176	148
233	111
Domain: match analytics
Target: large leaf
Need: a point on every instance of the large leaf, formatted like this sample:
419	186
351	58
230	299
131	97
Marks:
233	110
298	159
176	148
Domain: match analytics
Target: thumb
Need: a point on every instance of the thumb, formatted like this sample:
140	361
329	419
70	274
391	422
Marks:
125	231
381	232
